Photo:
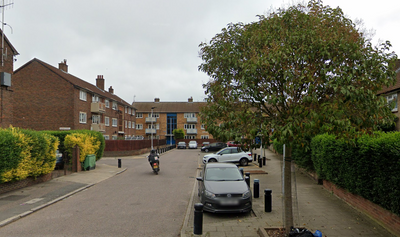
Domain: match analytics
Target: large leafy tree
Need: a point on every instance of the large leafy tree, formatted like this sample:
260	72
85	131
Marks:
296	72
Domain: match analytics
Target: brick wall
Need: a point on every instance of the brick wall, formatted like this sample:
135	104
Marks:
10	186
384	217
6	107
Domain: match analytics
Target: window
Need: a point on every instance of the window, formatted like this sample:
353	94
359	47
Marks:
155	126
189	115
190	126
129	110
82	117
126	109
204	137
190	137
392	100
107	121
82	95
114	105
155	115
95	98
139	126
114	122
133	112
106	137
202	126
96	119
139	137
129	124
126	124
114	137
139	115
107	103
133	125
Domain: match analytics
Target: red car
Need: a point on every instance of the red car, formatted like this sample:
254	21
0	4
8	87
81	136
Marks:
232	143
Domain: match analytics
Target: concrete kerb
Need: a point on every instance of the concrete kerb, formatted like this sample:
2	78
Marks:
16	217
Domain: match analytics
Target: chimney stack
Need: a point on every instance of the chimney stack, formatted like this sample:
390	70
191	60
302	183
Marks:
100	82
190	100
157	100
63	66
111	90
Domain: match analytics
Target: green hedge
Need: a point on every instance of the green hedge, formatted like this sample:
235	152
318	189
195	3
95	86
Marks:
26	153
368	166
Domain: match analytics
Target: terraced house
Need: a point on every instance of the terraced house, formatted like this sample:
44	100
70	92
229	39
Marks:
49	98
161	118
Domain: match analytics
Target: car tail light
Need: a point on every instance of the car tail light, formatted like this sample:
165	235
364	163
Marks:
249	154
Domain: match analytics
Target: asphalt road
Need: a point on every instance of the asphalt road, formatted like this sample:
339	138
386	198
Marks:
134	203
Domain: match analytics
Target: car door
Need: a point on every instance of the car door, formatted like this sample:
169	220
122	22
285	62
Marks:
236	154
224	155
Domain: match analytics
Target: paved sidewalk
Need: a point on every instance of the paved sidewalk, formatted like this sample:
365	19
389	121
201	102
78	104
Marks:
313	207
22	202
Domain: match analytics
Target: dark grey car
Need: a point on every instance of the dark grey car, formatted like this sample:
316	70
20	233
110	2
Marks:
223	189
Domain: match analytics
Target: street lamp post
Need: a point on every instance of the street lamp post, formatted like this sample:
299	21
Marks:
152	127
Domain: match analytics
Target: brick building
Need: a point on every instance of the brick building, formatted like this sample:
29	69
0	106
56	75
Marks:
49	98
6	71
168	116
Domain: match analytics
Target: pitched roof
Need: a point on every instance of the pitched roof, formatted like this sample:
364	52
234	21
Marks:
169	107
15	52
396	86
77	82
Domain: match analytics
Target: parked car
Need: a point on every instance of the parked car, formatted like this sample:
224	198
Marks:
59	160
192	145
233	143
205	144
181	145
216	146
222	189
229	154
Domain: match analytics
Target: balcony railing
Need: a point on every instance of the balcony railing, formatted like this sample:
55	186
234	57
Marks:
151	131
100	127
191	131
98	107
191	120
151	119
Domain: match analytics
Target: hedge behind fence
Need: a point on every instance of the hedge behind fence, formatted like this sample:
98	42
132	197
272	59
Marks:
369	168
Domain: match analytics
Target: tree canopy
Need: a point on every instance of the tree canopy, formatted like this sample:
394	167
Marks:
297	72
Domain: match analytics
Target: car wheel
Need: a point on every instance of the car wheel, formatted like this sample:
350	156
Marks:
244	162
206	150
212	160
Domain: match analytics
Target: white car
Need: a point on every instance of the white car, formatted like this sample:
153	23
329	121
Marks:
229	154
192	145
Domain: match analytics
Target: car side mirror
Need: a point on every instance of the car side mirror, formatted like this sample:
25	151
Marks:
199	178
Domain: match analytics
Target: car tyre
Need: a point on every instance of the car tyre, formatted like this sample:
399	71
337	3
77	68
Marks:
212	160
206	150
244	162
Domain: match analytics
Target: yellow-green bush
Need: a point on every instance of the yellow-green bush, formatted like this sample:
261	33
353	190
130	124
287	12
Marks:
87	144
25	153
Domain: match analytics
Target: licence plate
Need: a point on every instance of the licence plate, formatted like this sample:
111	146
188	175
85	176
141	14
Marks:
229	202
155	166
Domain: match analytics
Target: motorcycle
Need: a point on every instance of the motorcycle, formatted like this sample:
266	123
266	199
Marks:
154	161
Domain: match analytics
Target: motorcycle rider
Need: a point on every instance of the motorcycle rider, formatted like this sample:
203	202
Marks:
151	157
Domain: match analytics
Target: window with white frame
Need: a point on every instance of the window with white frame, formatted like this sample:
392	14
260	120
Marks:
129	110
82	117
189	115
95	98
114	105
126	109
190	137
133	125
114	137
107	102
114	122
155	115
204	137
202	126
155	126
126	124
82	95
139	115
106	137
139	137
190	126
139	126
133	112
392	100
96	119
129	124
107	121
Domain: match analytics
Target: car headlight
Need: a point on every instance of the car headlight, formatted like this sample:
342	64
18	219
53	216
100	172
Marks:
246	194
210	194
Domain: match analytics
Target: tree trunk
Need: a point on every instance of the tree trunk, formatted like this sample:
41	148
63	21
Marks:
288	213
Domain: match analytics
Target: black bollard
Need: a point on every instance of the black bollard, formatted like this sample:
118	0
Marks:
256	188
264	160
247	179
119	163
255	157
247	174
267	200
198	219
259	162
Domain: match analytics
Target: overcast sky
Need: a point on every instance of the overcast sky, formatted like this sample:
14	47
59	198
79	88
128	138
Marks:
149	48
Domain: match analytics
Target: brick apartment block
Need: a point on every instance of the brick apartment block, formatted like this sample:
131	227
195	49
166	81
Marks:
49	98
168	116
6	71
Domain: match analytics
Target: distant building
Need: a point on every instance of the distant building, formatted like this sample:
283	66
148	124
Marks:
168	116
6	80
49	98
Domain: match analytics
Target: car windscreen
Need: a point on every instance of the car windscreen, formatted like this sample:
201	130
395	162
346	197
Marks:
223	174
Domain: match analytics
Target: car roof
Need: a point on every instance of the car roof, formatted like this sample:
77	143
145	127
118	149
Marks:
220	165
181	142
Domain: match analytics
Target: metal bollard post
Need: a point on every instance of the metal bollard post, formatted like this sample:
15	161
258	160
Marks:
255	157
256	188
119	163
247	179
264	160
267	200
247	174
259	162
198	219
